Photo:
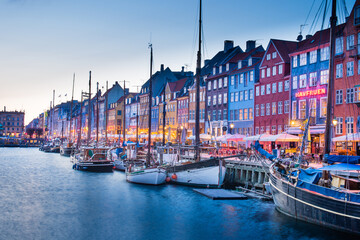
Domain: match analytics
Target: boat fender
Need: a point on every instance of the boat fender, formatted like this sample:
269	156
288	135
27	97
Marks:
174	176
167	179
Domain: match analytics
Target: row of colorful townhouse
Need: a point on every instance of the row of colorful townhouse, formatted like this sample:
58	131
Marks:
248	92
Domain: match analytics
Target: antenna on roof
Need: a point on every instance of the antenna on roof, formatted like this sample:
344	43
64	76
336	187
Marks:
300	37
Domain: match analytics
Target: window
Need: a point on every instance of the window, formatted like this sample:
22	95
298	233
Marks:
324	54
274	88
279	129
256	130
349	95
302	81
350	42
231	115
251	76
241	95
303	59
286	106
312	103
294	116
209	86
225	98
263	90
214	87
219	115
232	80
287	85
246	95
214	100
295	61
227	67
214	70
214	115
350	68
257	91
280	69
224	113
268	72
274	71
225	81
250	62
339	45
241	114
339	96
295	82
262	129
239	64
280	88
220	83
349	125
268	57
273	109
339	70
262	109
251	115
262	73
251	94
313	79
220	99
268	109
302	109
357	15
339	125
220	69
268	88
274	55
273	129
246	116
323	103
358	67
232	97
236	97
324	76
268	129
241	78
280	107
313	56
257	110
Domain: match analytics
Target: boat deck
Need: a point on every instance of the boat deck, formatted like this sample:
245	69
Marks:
220	194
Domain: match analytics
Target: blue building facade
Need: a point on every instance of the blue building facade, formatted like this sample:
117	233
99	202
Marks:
241	89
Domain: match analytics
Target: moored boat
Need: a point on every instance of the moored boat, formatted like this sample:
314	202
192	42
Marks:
92	159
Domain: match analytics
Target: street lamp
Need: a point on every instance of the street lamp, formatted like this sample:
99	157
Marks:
292	123
231	127
334	122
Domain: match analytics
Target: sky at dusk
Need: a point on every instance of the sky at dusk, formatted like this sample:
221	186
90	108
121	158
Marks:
44	42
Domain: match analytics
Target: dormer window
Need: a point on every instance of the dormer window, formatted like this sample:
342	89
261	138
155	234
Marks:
250	62
214	70
220	69
227	67
357	15
174	95
239	64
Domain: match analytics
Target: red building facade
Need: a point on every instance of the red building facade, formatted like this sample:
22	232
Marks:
272	92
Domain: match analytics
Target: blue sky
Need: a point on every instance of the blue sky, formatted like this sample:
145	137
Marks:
43	42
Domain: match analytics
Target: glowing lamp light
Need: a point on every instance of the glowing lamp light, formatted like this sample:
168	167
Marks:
334	122
292	123
232	126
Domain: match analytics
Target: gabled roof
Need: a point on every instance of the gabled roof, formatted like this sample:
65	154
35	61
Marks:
244	55
284	48
178	85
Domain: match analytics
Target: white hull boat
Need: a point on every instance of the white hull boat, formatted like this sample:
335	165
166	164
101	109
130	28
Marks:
149	176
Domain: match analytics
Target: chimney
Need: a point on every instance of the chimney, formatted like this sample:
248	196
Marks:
228	44
162	67
250	45
206	61
182	69
4	108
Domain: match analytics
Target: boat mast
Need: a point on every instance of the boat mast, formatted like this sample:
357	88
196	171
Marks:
164	115
197	102
137	121
106	111
97	113
71	107
123	115
79	136
53	113
150	103
89	111
330	90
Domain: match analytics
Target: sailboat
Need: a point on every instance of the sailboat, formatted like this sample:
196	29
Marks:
92	158
68	148
204	173
147	174
309	194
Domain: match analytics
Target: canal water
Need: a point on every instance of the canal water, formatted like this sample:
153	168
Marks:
42	197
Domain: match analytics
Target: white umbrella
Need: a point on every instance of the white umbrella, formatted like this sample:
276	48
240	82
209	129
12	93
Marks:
258	137
282	137
236	137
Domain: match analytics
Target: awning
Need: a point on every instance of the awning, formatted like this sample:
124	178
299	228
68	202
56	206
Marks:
257	137
313	130
236	138
352	137
282	137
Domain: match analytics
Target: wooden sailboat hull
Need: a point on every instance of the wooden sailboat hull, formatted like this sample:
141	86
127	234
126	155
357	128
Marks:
314	208
149	176
94	167
202	174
